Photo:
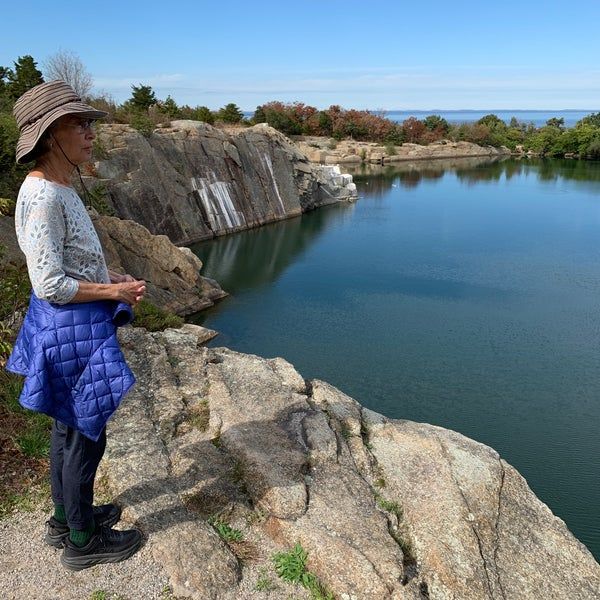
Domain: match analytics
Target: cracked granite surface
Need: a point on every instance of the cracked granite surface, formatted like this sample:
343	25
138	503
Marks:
385	508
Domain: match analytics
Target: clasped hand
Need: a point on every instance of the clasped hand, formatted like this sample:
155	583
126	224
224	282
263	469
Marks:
130	290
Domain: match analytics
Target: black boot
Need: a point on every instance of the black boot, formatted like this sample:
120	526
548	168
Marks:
105	546
106	515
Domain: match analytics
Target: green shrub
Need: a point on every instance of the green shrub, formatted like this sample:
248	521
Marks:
390	150
100	152
98	201
15	289
7	207
153	318
230	113
142	123
593	150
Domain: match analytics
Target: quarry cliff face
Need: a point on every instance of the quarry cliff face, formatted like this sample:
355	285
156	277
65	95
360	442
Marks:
191	181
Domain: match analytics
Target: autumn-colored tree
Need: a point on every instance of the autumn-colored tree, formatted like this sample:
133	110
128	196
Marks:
413	130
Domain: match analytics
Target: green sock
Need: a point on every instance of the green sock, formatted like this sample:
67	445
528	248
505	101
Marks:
59	513
80	537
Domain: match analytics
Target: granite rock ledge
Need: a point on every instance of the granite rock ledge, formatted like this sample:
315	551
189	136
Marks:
385	508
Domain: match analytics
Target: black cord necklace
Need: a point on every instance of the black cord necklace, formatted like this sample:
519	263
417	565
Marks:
86	193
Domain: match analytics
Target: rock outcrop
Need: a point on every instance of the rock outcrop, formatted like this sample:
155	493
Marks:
172	274
191	181
385	508
328	151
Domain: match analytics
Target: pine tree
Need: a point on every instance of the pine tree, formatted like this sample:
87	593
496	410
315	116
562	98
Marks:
142	97
230	113
25	76
170	108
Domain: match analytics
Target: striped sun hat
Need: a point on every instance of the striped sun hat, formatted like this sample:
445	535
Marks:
40	106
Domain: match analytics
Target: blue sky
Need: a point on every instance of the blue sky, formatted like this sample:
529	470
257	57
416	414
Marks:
377	55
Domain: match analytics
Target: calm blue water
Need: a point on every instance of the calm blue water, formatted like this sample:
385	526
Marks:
461	294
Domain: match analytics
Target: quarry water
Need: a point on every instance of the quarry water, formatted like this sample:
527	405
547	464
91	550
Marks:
460	293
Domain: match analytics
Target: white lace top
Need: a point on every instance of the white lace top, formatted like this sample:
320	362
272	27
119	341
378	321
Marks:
58	239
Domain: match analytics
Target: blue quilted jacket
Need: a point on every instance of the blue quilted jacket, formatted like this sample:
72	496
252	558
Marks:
74	369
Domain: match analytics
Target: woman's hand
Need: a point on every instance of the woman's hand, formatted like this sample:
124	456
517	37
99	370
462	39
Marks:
130	291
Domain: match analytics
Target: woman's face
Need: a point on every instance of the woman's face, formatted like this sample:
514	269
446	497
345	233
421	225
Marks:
75	136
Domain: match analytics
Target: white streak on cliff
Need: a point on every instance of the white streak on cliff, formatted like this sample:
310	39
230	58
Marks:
270	167
218	204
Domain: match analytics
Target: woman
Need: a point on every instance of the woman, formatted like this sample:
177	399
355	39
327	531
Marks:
71	284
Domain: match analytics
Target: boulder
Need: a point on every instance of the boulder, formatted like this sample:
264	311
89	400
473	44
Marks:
172	274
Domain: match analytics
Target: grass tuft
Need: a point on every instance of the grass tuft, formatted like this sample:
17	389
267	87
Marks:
199	416
291	566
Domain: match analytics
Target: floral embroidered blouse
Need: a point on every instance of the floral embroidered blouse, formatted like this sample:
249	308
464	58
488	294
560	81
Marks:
58	239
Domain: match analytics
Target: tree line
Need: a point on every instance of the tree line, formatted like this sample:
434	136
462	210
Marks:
144	111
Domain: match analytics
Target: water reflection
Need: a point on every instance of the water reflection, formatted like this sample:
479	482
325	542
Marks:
256	257
376	180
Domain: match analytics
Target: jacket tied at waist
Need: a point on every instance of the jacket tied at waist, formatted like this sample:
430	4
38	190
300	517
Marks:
73	366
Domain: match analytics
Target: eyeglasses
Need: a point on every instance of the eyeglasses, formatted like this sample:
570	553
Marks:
84	125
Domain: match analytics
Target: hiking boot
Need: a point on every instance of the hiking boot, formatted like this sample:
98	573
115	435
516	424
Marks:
104	516
106	546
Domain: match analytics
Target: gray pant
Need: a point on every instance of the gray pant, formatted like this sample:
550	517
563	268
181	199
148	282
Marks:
74	460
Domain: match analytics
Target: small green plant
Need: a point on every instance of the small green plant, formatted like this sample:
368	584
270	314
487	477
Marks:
199	416
225	531
265	583
332	145
142	123
345	430
390	149
102	595
389	506
153	318
291	566
167	593
97	196
363	154
100	152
